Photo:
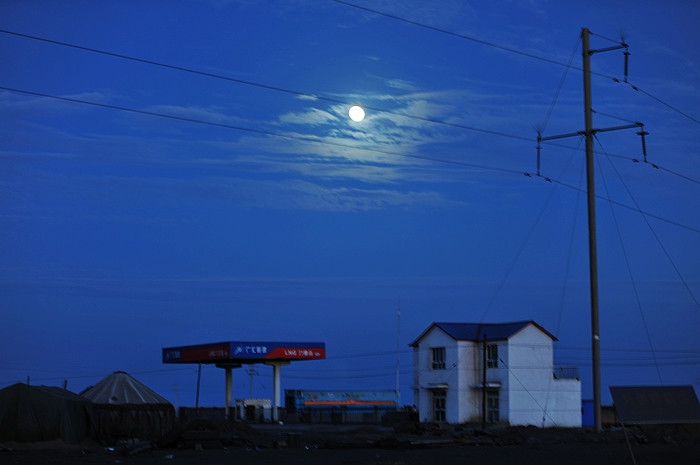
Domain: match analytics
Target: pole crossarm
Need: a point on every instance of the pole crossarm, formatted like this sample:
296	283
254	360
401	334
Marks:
608	49
617	128
561	136
593	131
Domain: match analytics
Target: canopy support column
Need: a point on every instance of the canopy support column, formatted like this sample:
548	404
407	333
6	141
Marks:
277	380
228	368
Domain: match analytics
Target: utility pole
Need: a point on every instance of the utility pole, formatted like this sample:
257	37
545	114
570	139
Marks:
199	381
483	385
398	356
592	241
252	372
177	403
589	133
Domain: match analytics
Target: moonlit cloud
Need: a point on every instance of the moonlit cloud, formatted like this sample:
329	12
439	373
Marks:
206	114
274	210
312	117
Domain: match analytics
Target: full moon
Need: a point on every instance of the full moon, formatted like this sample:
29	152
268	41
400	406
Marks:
356	113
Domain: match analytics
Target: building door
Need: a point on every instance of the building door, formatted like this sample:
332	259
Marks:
439	405
493	414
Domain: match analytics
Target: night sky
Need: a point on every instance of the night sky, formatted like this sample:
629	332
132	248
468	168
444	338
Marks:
185	172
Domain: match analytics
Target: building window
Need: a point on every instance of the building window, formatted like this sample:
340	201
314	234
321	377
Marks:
492	411
439	405
492	356
438	358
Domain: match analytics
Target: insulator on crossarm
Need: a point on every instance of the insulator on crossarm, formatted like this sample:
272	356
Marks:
539	140
643	133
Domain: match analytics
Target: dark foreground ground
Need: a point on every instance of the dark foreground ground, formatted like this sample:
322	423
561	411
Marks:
419	445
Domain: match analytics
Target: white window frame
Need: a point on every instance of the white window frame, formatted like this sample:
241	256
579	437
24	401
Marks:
492	356
438	358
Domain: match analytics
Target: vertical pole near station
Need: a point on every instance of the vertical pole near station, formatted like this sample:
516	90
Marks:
398	356
483	385
229	389
199	381
592	242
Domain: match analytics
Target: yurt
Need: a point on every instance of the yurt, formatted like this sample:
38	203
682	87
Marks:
43	413
126	408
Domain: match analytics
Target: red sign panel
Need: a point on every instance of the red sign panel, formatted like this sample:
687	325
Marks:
242	352
297	353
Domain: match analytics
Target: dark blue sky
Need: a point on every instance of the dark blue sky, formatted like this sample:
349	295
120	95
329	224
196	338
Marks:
233	199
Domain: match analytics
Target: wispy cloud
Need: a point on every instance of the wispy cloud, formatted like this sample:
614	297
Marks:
312	116
202	113
375	164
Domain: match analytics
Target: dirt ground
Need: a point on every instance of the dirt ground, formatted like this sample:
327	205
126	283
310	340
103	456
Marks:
408	445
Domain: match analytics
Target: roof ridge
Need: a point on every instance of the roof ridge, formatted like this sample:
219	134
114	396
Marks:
474	331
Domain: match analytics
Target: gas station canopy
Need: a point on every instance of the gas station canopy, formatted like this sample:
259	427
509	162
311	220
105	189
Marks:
232	354
237	352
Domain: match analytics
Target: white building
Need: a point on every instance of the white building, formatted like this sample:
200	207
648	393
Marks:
463	372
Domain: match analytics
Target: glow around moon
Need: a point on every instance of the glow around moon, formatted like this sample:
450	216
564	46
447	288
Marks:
356	113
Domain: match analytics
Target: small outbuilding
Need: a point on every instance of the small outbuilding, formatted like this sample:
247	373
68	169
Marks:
43	413
126	408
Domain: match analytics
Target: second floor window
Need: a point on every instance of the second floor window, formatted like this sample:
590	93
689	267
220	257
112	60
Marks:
438	358
492	356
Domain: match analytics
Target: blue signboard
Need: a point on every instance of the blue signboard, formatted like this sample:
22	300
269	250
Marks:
238	351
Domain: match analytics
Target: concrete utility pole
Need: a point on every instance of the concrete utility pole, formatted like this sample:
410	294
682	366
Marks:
483	385
589	133
592	240
252	373
398	355
199	380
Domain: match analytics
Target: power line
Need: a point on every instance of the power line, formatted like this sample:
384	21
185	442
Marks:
658	240
635	208
518	52
624	157
322	142
668	105
260	85
455	34
569	254
520	250
258	131
629	272
613	116
561	84
688	178
334	100
619	350
615	41
636	364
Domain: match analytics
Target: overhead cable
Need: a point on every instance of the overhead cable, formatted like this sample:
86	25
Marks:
259	131
516	51
322	142
658	240
629	267
455	34
261	85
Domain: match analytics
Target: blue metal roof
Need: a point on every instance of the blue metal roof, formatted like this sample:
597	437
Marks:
481	331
